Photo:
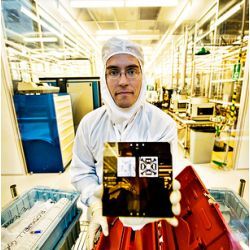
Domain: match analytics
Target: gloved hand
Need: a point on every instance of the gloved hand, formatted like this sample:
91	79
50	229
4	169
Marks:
175	198
138	222
96	221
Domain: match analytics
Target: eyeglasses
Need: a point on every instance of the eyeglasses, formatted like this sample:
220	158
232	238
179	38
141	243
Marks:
116	73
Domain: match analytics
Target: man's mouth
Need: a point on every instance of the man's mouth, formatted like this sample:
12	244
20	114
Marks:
124	93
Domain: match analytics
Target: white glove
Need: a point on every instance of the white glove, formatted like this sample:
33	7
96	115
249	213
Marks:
96	221
175	198
138	222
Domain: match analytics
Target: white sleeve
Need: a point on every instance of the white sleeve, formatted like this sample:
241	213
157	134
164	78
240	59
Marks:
83	169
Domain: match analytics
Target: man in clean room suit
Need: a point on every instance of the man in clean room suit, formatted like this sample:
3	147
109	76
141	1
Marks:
125	116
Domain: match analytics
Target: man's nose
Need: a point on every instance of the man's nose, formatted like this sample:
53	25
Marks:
123	79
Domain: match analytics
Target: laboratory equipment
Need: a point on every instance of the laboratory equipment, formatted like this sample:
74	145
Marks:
201	144
180	105
46	127
54	215
200	109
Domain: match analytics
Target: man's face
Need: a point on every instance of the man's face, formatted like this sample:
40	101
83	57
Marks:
124	79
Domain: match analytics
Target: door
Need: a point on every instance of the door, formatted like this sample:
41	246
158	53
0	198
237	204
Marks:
82	99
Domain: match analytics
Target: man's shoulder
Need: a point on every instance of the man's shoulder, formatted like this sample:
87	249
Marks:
93	117
156	113
95	113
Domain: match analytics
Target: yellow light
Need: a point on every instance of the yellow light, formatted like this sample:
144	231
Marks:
121	3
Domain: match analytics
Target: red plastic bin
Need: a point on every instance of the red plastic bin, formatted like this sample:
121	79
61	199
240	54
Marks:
201	225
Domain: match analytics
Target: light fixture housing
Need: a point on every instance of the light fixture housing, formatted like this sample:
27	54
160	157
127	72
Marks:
121	3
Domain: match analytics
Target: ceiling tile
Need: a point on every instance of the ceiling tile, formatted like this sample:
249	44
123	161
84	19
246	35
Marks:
107	25
149	13
168	14
83	15
90	26
127	25
126	14
102	14
145	25
162	26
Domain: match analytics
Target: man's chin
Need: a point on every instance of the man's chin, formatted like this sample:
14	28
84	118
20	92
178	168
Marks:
124	104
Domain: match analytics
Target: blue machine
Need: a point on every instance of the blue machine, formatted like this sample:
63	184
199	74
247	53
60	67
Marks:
38	127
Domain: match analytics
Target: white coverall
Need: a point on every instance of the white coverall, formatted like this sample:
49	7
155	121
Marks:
149	124
142	122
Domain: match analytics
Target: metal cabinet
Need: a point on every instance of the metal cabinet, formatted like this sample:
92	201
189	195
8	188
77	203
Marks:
46	126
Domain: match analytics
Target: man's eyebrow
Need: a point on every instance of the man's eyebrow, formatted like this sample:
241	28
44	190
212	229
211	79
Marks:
112	67
128	66
132	66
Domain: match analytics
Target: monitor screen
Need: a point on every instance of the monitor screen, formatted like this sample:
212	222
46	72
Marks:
137	179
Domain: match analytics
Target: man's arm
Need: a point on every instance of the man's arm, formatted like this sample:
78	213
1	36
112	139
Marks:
85	180
83	169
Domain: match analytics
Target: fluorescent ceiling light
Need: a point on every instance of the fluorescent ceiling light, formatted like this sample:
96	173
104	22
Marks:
150	3
79	28
130	37
36	19
40	39
51	29
111	32
121	3
96	3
